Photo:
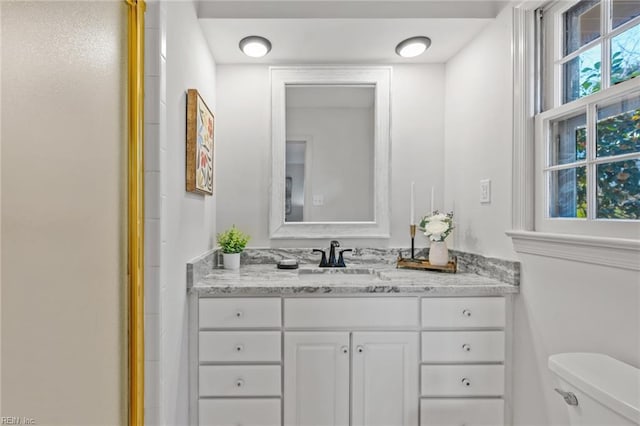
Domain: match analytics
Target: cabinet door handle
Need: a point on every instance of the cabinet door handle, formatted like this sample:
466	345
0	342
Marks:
466	347
466	313
466	382
344	350
239	348
239	314
239	383
360	349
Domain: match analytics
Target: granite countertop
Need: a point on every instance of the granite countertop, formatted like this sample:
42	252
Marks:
365	278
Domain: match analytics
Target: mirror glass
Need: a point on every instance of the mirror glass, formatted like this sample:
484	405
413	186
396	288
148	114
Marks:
330	153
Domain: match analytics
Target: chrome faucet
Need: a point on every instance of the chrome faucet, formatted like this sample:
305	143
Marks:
332	262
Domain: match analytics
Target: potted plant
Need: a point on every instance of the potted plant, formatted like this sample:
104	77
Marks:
232	242
437	227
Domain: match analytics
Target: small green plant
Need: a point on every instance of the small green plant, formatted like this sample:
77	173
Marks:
232	240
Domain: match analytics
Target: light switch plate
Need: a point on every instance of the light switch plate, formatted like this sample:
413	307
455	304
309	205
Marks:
318	200
485	191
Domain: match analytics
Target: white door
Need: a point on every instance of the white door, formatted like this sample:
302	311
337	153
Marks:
385	379
316	379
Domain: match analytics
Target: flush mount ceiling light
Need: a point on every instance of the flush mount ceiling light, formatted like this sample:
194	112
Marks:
255	46
413	46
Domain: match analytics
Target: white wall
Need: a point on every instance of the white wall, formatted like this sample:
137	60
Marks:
244	150
341	161
478	140
563	305
187	220
568	307
63	217
155	148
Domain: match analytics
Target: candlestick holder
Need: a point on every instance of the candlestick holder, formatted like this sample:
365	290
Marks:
423	264
412	232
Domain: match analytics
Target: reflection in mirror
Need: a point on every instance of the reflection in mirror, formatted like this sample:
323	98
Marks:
295	170
330	135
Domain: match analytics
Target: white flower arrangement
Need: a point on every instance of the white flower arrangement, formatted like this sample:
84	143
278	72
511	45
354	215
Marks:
437	226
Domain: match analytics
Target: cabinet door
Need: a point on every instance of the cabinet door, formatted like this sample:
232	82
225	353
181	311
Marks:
385	379
316	379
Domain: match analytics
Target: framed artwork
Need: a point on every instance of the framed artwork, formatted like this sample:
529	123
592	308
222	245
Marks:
199	144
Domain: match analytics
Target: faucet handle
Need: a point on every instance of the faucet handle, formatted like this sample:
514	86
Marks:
323	262
341	263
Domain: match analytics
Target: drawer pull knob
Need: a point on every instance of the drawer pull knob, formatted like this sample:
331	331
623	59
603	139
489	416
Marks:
466	347
360	349
466	313
344	350
239	348
466	382
239	314
239	383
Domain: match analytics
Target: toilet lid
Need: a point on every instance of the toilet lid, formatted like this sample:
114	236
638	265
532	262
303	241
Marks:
607	380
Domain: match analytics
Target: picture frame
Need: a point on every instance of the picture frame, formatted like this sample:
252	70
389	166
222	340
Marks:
200	145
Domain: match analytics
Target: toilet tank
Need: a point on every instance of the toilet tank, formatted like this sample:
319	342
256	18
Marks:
607	390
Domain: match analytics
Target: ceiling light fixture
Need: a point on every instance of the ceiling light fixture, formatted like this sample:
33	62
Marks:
412	47
255	46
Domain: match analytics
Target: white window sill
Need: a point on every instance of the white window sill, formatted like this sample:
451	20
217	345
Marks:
613	252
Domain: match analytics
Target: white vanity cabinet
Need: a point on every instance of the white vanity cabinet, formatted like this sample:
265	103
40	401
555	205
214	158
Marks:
316	378
384	378
237	349
380	368
361	360
463	352
370	375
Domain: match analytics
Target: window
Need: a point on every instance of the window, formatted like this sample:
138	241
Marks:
591	45
588	136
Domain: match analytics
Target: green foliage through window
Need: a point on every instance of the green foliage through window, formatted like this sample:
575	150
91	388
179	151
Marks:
618	190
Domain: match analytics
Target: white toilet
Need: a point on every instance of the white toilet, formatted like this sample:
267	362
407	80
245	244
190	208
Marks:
599	390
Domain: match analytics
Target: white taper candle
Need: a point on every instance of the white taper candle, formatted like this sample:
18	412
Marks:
413	188
432	197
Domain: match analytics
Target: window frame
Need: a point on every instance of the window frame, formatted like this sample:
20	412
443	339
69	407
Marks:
591	225
550	92
527	69
553	37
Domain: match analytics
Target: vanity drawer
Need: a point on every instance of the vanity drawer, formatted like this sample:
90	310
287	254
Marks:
239	380
388	312
240	346
462	346
233	412
240	313
463	312
456	412
462	380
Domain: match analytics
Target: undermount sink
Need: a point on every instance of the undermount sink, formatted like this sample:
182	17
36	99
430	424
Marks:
338	273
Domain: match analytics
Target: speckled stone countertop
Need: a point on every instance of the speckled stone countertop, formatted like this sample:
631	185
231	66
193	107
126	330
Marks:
365	278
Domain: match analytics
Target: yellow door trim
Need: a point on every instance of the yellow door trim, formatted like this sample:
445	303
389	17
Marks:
135	232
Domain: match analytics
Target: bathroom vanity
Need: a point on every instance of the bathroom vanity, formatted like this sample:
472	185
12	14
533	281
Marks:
363	346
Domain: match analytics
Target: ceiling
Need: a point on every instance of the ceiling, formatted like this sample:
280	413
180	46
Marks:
342	31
